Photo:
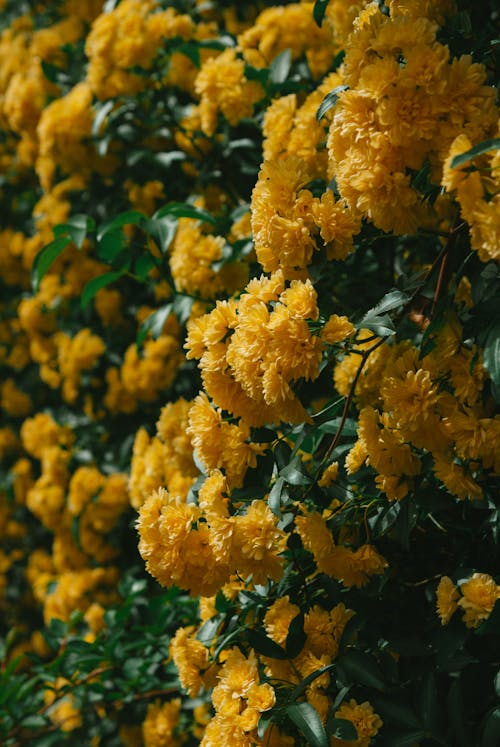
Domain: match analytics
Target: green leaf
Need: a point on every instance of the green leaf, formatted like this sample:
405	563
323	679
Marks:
319	11
129	218
154	323
497	683
184	210
95	285
308	721
280	67
382	325
274	497
208	630
361	668
304	684
491	729
428	697
491	356
394	299
477	150
110	246
143	265
162	231
341	728
45	258
77	228
167	159
294	474
296	637
329	101
181	307
264	645
101	112
392	712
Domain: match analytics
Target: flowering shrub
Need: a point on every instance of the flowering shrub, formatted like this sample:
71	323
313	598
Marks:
250	438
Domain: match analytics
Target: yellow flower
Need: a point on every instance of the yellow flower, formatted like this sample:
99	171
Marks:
160	724
191	659
278	618
479	595
365	720
258	543
446	599
222	86
337	329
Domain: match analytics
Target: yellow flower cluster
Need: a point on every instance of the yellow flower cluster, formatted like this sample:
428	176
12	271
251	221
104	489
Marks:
351	567
253	349
200	547
407	101
476	598
418	411
239	698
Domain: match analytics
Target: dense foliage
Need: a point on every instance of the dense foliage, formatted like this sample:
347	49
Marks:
250	373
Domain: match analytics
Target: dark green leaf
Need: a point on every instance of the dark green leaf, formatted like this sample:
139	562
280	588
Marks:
77	228
428	698
477	150
296	637
491	729
95	285
143	265
264	645
181	307
307	720
393	712
341	728
280	67
184	210
360	668
162	231
46	257
304	684
294	474
129	218
319	11
154	323
329	101
395	299
110	246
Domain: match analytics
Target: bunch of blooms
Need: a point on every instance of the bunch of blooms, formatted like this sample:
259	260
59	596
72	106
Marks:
249	277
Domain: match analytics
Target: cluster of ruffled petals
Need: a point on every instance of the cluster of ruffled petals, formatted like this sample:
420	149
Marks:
129	37
323	632
252	350
222	87
288	27
161	725
239	699
351	567
193	254
366	722
289	224
199	547
434	404
165	459
478	193
476	597
407	101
